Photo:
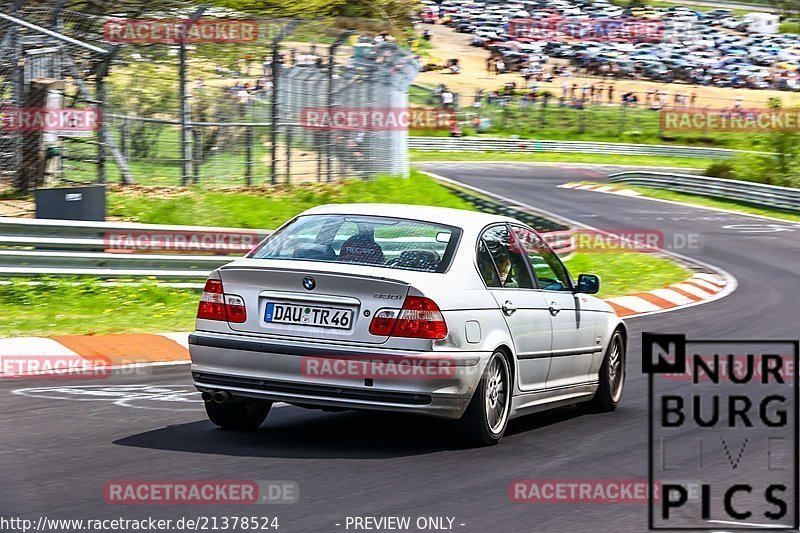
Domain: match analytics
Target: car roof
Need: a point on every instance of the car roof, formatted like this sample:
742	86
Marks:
467	220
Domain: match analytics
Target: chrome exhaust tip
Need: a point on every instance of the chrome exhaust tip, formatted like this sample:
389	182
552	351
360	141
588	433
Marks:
207	395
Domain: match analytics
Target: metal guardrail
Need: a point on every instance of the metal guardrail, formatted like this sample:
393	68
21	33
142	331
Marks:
748	192
494	144
38	247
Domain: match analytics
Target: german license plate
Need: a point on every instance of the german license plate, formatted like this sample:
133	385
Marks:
308	315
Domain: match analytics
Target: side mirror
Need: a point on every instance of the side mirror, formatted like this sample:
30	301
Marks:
588	284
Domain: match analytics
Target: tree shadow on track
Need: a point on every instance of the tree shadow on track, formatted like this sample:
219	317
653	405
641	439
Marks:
301	434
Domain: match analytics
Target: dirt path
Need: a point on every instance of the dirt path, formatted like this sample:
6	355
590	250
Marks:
448	44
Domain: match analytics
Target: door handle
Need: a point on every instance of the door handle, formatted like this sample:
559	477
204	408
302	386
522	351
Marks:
509	308
554	308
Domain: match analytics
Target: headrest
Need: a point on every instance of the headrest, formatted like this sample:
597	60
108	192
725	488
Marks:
361	249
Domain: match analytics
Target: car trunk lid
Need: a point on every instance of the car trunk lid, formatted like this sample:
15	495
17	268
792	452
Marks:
310	303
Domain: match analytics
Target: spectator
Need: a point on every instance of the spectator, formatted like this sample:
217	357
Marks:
447	99
243	95
453	65
475	122
662	98
649	96
478	101
611	94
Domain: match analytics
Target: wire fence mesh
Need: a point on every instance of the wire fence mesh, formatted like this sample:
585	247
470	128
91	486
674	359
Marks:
192	94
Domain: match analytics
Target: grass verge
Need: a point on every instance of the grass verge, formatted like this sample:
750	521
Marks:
81	306
268	208
627	272
84	306
557	157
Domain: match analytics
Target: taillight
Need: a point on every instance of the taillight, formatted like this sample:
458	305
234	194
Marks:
419	318
212	306
234	307
383	322
216	305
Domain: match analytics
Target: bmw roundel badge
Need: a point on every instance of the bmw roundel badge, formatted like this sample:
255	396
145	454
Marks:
309	283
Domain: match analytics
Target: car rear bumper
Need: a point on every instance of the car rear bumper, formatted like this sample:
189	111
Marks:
431	383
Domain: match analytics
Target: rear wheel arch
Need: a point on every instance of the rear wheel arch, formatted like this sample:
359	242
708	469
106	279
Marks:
512	361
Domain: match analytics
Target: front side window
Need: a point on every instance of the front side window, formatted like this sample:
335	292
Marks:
509	263
364	240
548	268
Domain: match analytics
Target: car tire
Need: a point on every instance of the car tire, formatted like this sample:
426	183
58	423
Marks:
612	376
486	418
238	414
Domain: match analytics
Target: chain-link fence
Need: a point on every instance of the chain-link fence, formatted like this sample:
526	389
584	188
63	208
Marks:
41	67
204	95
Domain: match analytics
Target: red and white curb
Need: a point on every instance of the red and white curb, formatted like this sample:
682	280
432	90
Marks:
579	185
698	288
89	355
47	356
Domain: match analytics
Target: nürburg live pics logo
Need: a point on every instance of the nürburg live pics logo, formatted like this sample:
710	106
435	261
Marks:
722	433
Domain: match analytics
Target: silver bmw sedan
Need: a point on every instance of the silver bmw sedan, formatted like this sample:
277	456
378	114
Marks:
442	312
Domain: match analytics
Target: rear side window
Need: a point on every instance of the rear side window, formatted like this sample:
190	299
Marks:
364	240
486	266
509	263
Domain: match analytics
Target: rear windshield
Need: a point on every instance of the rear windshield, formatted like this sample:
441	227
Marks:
364	240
